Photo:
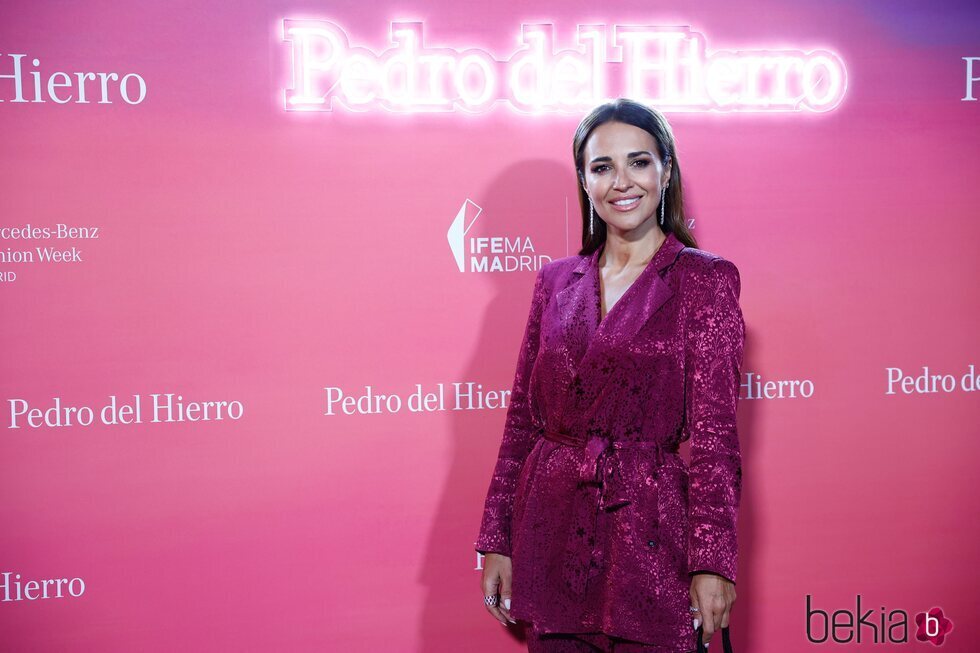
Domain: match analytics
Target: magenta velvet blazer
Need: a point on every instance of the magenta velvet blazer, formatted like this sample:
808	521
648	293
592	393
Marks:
603	520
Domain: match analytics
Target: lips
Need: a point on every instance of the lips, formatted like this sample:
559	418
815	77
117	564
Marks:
626	203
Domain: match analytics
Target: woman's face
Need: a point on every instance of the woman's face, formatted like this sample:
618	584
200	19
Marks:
624	175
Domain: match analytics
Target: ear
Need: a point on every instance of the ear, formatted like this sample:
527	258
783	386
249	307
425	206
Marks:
667	170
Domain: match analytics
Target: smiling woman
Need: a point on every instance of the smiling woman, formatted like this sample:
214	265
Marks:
595	531
637	165
637	182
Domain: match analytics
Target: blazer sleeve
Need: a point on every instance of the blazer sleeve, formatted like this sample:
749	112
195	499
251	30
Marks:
716	337
518	437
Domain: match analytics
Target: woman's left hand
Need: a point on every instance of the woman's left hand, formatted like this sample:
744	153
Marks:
713	595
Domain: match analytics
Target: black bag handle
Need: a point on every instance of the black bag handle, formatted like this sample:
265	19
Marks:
726	640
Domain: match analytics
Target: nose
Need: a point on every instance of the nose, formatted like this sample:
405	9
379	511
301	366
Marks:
622	181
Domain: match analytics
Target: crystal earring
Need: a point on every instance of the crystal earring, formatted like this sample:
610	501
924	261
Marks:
663	193
591	218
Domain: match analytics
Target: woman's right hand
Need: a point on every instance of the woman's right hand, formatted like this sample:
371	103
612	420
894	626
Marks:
496	580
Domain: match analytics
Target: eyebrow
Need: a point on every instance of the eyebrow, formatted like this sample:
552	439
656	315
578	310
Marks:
628	156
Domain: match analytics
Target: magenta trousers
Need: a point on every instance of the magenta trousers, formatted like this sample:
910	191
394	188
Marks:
587	643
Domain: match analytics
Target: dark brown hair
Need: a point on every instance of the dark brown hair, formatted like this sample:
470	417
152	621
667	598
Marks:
653	122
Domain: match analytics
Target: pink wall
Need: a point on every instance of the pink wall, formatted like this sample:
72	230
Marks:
251	254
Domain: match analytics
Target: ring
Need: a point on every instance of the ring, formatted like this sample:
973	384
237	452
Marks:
693	609
490	600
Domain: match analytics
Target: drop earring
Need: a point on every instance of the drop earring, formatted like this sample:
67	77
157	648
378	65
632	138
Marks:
591	218
663	194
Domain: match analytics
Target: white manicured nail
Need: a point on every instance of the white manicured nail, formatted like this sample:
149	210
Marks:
697	622
507	603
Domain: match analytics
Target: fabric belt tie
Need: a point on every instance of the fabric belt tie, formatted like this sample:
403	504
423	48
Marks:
600	468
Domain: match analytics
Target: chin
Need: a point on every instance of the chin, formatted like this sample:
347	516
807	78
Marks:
645	211
631	220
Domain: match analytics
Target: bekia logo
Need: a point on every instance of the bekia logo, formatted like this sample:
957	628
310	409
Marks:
892	627
489	253
933	626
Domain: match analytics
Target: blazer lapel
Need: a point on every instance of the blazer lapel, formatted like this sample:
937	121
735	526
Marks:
640	301
578	305
578	309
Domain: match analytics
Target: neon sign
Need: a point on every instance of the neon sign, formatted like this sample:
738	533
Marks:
667	67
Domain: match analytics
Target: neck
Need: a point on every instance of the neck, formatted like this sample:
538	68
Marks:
619	253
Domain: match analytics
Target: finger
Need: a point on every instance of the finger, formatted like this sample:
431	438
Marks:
725	617
505	579
504	606
505	611
718	609
489	586
490	578
695	615
494	610
708	617
729	604
727	612
709	627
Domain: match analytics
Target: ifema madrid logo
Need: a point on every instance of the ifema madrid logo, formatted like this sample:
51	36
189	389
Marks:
505	253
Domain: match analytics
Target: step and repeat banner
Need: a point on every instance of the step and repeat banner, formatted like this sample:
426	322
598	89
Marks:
265	268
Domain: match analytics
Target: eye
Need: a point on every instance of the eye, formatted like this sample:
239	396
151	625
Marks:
642	163
599	168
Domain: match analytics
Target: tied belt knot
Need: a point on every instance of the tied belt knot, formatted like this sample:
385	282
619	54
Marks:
600	468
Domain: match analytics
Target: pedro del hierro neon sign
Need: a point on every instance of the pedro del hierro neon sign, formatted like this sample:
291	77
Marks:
666	66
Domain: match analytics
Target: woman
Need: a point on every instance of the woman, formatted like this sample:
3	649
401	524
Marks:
595	530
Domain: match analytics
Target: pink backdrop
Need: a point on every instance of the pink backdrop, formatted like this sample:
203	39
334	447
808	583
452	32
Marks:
282	259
